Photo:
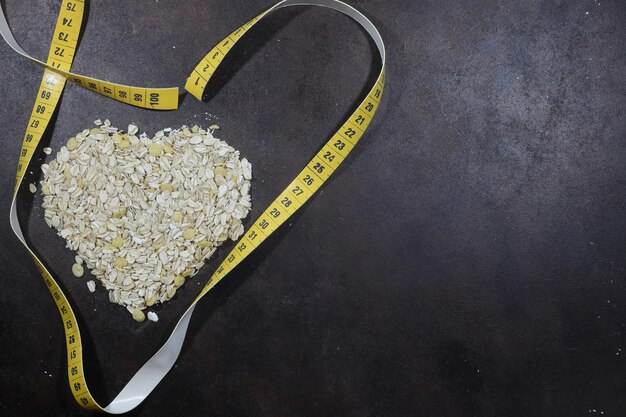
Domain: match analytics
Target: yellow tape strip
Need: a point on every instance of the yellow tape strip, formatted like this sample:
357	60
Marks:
48	96
62	50
199	78
306	183
310	179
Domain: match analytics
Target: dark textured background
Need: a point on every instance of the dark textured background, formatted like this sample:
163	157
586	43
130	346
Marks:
467	260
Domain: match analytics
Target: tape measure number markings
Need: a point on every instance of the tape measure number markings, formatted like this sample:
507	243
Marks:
61	54
67	30
323	164
306	183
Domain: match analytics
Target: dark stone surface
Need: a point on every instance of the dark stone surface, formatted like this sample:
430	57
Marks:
467	260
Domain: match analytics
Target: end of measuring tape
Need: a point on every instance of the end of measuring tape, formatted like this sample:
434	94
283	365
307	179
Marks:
147	98
202	73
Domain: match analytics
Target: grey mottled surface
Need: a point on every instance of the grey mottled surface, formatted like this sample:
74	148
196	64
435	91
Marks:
467	260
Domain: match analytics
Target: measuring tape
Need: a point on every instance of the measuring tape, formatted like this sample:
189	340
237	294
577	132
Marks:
57	71
61	54
306	183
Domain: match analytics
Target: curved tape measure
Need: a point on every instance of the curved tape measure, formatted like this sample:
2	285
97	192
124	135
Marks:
306	183
61	54
57	71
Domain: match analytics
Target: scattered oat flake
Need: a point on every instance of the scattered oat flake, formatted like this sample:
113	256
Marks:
138	315
91	285
78	270
47	151
32	188
152	316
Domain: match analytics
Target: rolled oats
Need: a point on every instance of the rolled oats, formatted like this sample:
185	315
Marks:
143	213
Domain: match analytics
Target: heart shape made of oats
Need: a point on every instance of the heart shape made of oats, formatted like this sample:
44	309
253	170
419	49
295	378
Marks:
144	213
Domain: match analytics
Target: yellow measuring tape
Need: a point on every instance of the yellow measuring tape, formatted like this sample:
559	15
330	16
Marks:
61	54
306	183
57	71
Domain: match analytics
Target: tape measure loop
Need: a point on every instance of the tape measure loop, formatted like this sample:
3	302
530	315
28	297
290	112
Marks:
306	183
